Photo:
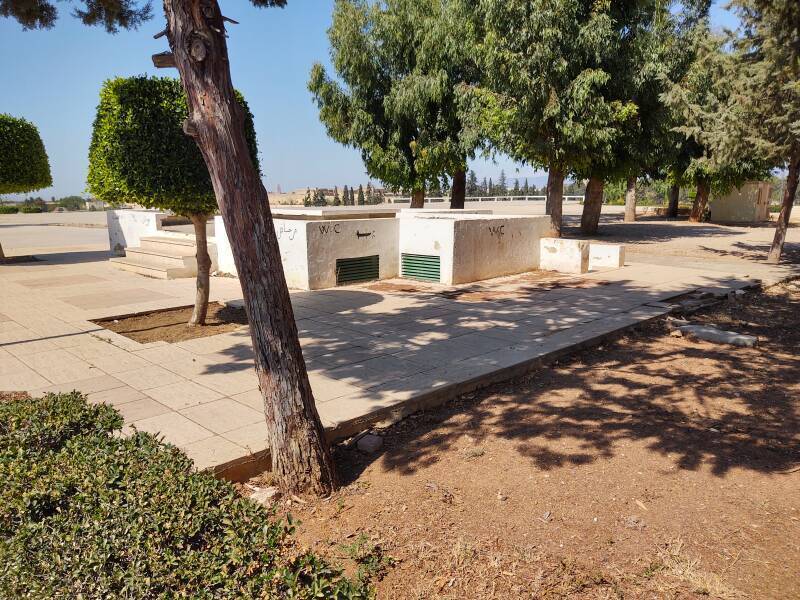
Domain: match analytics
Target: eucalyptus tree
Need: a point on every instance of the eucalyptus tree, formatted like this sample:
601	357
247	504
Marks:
705	109
24	165
196	34
768	94
398	64
543	98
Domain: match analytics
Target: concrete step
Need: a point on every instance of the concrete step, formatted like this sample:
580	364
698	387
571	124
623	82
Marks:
161	258
175	245
157	272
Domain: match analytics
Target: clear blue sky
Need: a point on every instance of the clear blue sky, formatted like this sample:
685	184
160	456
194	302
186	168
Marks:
53	79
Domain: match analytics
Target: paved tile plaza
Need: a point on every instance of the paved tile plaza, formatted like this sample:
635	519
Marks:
374	351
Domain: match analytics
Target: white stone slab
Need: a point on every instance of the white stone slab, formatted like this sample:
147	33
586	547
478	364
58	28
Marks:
564	255
606	256
127	227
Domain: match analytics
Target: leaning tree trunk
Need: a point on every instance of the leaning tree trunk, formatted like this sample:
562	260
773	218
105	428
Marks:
301	459
203	270
700	202
630	200
789	192
592	205
555	199
417	198
458	193
674	197
2	254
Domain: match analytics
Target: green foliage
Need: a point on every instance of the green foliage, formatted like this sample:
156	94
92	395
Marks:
8	209
31	208
399	63
71	202
23	160
86	513
139	152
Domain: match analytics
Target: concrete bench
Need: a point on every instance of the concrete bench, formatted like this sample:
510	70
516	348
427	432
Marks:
564	256
606	256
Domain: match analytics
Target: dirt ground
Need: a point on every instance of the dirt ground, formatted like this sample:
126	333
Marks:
171	325
653	466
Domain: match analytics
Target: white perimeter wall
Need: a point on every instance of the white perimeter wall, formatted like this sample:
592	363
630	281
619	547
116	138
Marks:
429	235
126	227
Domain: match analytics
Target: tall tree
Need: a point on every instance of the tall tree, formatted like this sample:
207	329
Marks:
139	153
196	33
24	166
345	196
704	105
361	200
398	64
472	184
767	92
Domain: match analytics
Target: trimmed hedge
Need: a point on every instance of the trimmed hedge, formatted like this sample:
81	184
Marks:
24	166
85	513
7	209
140	153
30	208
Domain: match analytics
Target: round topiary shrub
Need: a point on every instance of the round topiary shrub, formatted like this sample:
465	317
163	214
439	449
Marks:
24	166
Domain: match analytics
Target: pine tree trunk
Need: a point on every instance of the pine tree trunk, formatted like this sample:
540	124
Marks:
630	200
700	202
2	254
674	197
789	192
458	193
203	271
417	199
592	205
301	460
555	199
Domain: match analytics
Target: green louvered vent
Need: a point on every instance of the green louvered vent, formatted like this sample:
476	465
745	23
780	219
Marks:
361	268
421	266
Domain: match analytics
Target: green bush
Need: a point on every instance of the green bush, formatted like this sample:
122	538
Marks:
30	208
7	209
85	513
24	166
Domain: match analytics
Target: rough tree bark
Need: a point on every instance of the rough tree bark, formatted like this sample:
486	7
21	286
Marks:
630	200
417	198
789	192
700	202
555	199
203	270
592	205
674	197
301	459
458	193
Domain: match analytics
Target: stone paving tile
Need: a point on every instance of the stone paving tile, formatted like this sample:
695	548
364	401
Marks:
30	346
183	394
66	280
213	451
141	409
252	437
174	428
163	354
87	386
376	371
148	377
59	366
16	376
114	298
326	388
115	396
107	357
223	415
253	399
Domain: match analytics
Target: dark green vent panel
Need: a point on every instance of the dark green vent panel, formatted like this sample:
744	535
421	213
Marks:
353	270
421	266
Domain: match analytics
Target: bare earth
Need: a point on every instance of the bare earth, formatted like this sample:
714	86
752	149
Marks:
652	467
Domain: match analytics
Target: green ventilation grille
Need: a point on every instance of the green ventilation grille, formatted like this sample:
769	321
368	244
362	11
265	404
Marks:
361	268
421	266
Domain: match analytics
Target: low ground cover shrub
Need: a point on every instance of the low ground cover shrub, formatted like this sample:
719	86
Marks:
85	513
26	208
7	209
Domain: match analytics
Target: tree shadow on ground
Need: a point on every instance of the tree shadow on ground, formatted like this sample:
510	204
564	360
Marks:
705	406
651	230
754	251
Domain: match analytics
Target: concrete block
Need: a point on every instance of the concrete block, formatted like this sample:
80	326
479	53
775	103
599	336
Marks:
127	227
564	255
606	256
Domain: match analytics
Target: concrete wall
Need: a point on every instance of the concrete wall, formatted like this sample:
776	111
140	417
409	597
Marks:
473	247
747	204
126	227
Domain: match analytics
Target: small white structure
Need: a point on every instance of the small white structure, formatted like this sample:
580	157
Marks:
747	204
127	227
322	252
564	256
459	248
606	256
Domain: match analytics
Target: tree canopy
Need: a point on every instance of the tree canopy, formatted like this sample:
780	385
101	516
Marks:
24	166
398	66
140	153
